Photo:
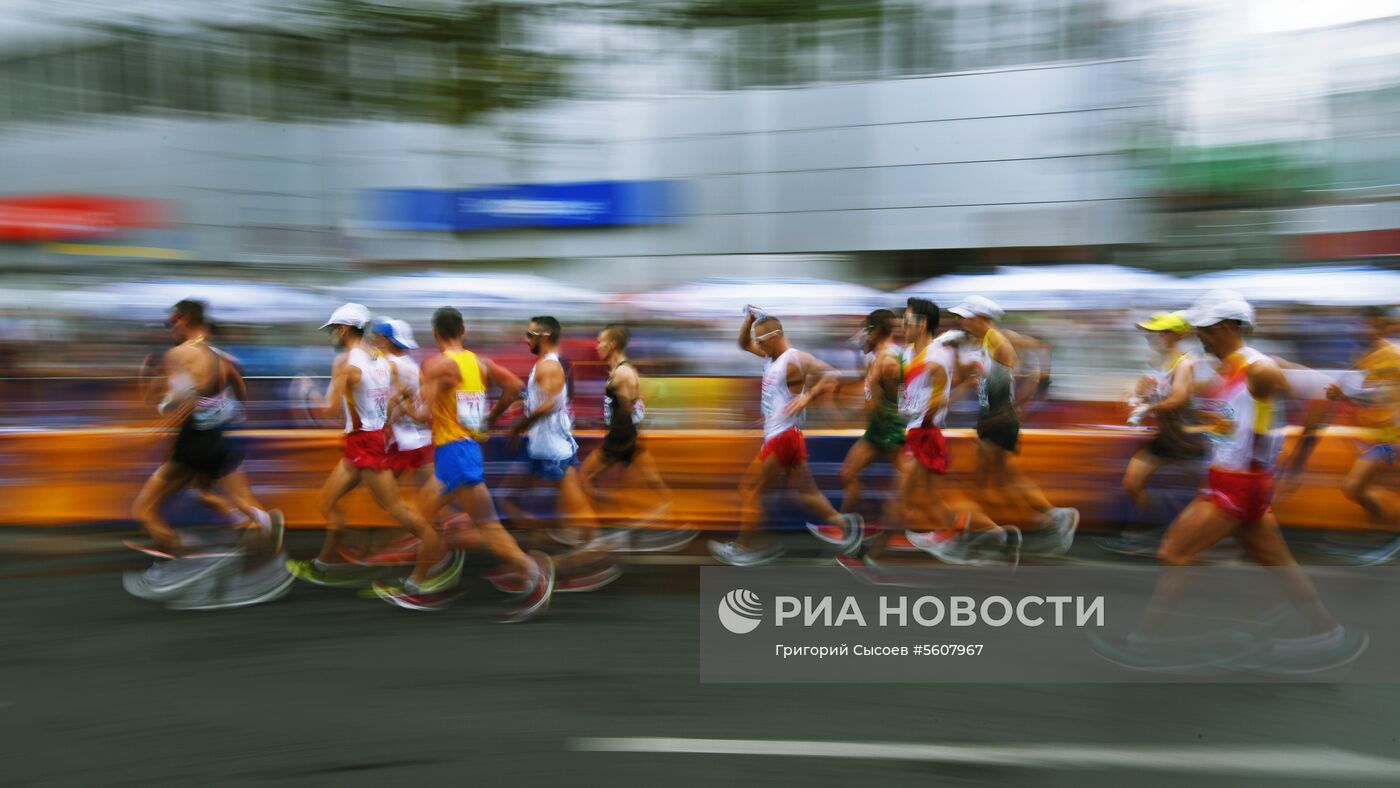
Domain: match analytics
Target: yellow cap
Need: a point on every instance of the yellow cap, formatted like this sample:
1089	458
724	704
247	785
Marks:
1174	322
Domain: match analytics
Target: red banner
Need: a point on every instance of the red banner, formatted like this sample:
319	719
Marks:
57	217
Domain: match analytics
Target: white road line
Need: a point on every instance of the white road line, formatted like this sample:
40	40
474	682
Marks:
1243	760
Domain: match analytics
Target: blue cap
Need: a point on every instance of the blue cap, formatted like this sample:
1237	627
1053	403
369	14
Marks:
396	331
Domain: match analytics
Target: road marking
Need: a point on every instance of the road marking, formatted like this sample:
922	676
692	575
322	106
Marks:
1245	760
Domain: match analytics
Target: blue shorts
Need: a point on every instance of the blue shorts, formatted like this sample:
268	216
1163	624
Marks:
1379	452
458	464
552	470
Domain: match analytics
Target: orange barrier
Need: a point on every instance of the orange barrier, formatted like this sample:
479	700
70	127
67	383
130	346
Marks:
86	476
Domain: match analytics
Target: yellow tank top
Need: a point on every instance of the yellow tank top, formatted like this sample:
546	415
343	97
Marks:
460	413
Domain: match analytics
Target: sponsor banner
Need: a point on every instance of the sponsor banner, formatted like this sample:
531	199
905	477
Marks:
58	217
591	204
910	624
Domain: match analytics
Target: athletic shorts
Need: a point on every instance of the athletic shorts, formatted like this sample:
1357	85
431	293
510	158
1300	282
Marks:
928	446
552	470
1000	432
885	432
1244	495
789	447
1165	448
620	445
206	452
459	464
1378	452
367	450
411	460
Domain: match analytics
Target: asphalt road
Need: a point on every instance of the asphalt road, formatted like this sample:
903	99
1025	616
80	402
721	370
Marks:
324	688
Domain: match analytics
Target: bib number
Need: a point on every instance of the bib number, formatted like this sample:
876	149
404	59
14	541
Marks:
471	410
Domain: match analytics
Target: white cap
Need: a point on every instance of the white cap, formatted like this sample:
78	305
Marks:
1218	305
978	306
397	331
353	315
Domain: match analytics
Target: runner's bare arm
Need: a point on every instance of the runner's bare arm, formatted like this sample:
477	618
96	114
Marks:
746	334
817	379
344	376
1182	378
938	375
550	377
439	374
510	384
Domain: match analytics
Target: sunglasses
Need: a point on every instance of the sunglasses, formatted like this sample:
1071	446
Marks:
530	333
764	337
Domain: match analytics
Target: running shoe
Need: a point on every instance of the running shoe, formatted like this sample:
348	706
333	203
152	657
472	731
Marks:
1134	545
166	579
660	540
401	596
277	533
331	575
1065	521
1381	555
838	535
397	553
734	555
537	599
446	578
591	581
569	537
1300	656
267	583
947	546
507	580
1011	548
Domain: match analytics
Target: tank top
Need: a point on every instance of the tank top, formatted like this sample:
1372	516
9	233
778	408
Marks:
552	437
214	410
1246	434
776	395
459	413
889	402
996	395
609	403
917	392
367	402
409	434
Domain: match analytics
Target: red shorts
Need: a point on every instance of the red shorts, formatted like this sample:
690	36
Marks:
367	450
411	460
927	445
789	447
1245	495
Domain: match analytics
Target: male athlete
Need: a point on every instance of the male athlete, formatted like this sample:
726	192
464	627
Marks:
998	424
1243	413
792	380
623	412
1166	395
362	381
548	428
884	432
454	396
203	393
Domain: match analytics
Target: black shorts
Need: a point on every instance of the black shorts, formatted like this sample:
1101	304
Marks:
620	446
1003	433
206	452
1175	449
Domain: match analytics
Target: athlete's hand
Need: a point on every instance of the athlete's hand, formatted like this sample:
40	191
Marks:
1139	413
1334	392
756	311
798	404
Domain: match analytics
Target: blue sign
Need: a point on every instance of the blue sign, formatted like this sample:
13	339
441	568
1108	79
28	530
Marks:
592	204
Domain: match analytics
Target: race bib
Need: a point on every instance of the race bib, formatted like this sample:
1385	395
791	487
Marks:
471	410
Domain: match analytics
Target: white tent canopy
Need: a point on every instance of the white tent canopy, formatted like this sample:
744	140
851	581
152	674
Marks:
484	291
1322	286
227	301
715	298
1059	287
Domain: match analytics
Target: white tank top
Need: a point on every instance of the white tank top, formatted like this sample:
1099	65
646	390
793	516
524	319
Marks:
1246	434
917	391
409	434
552	437
776	396
367	402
